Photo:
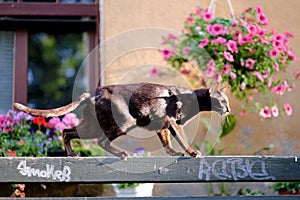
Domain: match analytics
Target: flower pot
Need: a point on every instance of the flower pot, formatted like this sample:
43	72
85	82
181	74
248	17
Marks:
285	192
142	190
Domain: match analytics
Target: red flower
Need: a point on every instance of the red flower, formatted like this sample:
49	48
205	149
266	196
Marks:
11	153
39	121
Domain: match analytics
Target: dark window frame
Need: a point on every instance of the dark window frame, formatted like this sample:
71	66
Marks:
59	17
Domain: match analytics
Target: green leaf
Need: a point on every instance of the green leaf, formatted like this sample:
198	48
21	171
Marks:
228	126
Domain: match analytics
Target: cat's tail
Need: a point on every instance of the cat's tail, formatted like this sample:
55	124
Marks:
53	112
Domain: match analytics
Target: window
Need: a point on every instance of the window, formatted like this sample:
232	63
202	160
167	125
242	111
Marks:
24	26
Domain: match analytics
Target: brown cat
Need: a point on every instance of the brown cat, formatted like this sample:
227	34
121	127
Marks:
111	111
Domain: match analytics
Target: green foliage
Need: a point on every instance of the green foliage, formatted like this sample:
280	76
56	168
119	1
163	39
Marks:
54	60
228	125
249	192
292	187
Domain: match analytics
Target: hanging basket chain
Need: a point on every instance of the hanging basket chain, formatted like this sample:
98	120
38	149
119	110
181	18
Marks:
212	6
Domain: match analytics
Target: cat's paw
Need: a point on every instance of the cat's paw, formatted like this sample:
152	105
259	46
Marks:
196	154
73	154
124	155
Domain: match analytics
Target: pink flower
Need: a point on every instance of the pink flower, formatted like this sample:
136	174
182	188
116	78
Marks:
232	75
288	109
259	76
265	112
60	126
226	69
276	67
211	70
274	53
70	120
216	29
291	55
232	46
198	11
228	56
250	63
275	112
167	53
243	86
258	9
207	16
185	71
262	19
172	37
243	40
53	121
252	28
186	49
154	72
243	113
203	43
279	89
190	20
288	34
219	40
262	32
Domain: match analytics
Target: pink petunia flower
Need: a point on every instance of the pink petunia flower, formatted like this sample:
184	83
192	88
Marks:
218	40
167	53
172	37
279	89
275	112
243	40
243	86
276	67
215	29
265	112
250	63
262	19
274	53
154	72
228	56
232	75
186	49
207	16
226	69
203	43
258	9
288	109
288	34
259	76
232	46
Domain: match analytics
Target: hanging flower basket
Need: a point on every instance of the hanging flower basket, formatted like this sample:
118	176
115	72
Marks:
244	52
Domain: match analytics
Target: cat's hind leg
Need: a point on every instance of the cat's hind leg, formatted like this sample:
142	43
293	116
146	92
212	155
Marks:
68	135
105	143
178	132
164	136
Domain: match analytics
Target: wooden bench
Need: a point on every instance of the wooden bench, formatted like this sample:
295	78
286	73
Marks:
152	169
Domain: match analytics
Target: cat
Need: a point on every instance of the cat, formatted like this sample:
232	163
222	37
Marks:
113	110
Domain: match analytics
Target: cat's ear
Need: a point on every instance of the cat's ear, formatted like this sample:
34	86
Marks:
214	88
224	88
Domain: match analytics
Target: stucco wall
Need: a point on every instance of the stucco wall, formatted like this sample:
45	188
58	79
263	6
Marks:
132	36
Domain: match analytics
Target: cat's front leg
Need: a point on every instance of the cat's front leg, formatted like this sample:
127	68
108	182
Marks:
164	136
178	132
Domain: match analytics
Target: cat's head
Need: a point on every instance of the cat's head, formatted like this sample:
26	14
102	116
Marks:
219	100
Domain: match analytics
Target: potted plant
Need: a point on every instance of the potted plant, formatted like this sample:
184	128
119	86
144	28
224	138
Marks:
245	53
134	189
287	188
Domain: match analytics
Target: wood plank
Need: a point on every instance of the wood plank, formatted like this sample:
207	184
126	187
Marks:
150	169
48	9
289	197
